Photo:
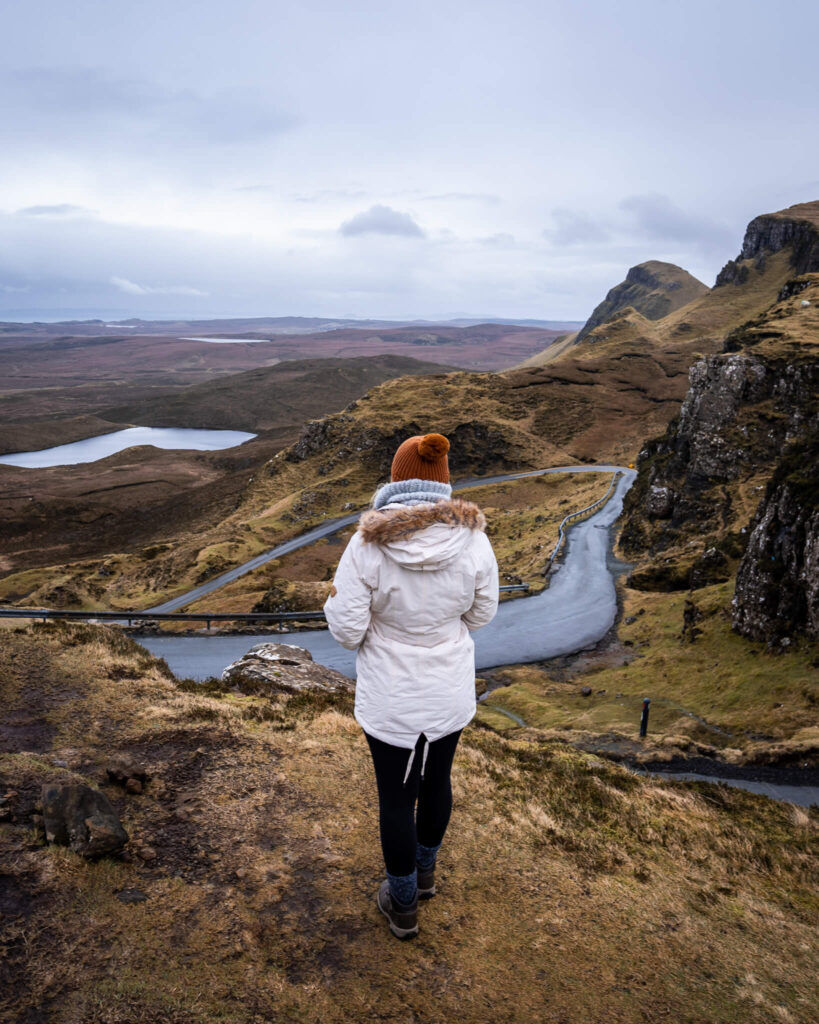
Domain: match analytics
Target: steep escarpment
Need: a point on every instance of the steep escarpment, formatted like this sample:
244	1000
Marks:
777	591
737	416
795	229
654	289
745	432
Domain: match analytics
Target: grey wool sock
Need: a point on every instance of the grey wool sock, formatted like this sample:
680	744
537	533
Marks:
425	855
403	888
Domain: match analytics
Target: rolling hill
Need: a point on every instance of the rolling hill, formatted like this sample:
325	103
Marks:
86	510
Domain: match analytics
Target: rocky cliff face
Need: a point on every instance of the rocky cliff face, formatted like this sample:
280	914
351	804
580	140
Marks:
777	590
796	228
747	424
739	413
654	289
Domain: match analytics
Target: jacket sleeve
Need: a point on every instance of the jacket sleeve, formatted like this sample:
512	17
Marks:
485	604
348	606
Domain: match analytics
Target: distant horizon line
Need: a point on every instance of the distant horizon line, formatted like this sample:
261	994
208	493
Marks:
58	316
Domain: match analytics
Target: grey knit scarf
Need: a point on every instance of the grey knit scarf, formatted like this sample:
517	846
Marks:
411	492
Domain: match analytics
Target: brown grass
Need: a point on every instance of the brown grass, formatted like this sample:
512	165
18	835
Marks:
262	817
721	696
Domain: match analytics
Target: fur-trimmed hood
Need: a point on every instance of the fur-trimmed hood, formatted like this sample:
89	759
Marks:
422	536
381	527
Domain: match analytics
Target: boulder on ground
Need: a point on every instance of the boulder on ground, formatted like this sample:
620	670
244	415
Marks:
283	668
78	816
132	775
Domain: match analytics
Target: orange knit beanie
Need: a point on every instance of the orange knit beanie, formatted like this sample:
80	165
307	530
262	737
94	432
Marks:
422	457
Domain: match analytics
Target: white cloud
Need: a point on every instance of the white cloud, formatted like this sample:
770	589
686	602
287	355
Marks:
657	217
381	220
471	197
573	227
87	108
246	156
57	210
132	288
500	240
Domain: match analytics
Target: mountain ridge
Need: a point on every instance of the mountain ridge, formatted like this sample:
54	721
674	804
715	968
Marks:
776	247
653	288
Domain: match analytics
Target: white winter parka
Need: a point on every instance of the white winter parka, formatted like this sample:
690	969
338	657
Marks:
411	584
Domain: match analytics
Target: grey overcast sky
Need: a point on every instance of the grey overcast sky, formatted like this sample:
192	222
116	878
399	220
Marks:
390	159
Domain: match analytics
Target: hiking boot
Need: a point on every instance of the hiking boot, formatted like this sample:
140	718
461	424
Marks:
426	882
403	923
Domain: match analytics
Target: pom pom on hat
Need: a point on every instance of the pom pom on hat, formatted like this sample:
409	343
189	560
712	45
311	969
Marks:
423	457
433	446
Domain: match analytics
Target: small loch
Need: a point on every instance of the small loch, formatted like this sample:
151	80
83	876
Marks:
92	449
230	341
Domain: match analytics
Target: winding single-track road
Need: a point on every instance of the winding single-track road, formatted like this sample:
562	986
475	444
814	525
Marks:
577	609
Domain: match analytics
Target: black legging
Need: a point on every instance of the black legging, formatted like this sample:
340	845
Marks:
397	819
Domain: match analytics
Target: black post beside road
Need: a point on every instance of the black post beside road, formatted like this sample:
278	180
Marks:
644	716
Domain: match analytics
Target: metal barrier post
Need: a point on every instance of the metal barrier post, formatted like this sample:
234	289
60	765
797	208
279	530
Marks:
644	716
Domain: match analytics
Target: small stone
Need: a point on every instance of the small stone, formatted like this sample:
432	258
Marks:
104	835
241	872
600	693
59	763
131	896
586	691
133	786
630	620
122	769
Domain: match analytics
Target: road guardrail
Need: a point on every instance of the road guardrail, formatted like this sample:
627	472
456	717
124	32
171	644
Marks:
207	617
561	533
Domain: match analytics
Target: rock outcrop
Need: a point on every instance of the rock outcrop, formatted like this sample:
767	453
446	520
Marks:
747	425
796	228
739	413
654	289
78	816
479	447
283	668
777	589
